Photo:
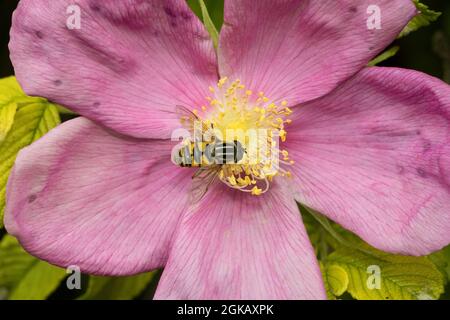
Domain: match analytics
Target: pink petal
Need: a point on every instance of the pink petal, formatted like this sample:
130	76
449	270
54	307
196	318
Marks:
374	156
107	203
236	246
300	50
127	67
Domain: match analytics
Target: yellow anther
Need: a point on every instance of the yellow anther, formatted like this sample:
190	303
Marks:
282	134
232	180
256	191
235	109
222	81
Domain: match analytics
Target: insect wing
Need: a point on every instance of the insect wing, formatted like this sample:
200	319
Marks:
187	117
201	181
185	113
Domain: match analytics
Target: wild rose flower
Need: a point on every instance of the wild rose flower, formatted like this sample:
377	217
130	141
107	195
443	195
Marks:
369	146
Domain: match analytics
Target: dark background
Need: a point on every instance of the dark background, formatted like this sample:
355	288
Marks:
426	50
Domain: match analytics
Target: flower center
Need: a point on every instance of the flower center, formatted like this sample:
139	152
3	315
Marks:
241	117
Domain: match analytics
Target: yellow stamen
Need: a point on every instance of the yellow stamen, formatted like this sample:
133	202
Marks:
232	108
256	191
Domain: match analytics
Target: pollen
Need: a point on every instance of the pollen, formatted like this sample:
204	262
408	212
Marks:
256	191
258	123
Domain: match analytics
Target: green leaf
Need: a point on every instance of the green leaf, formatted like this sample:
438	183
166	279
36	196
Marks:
9	90
330	294
39	282
215	10
7	113
423	19
336	238
209	25
63	110
442	260
116	288
34	117
337	279
23	277
13	262
384	56
401	277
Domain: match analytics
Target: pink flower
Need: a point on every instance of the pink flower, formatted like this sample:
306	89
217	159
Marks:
370	145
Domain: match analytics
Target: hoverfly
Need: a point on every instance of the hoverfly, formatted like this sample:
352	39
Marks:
204	151
203	154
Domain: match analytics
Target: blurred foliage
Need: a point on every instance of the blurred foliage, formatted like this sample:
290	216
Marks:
424	19
28	119
349	265
344	258
422	50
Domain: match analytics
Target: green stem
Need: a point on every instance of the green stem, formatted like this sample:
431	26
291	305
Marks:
209	25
